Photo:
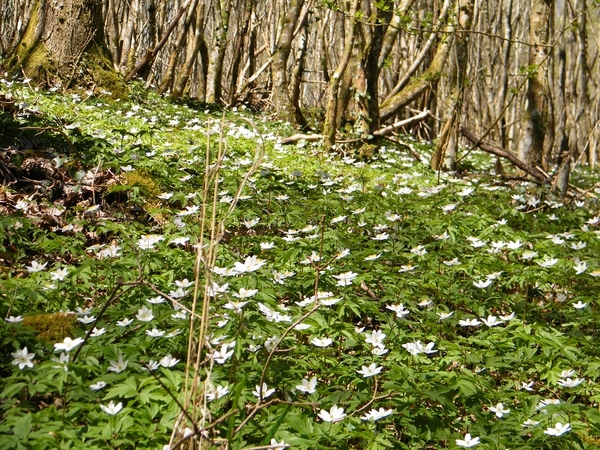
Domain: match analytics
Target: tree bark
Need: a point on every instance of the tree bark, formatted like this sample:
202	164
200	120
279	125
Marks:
238	49
418	61
359	92
57	37
446	147
214	77
281	95
331	119
296	80
531	149
583	116
415	88
352	84
391	32
177	52
323	53
563	163
186	70
503	92
143	68
112	29
126	58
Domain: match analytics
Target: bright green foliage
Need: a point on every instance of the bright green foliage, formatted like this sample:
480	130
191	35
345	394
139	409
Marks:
443	302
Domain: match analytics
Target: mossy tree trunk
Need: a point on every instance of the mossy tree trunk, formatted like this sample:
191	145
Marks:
420	84
59	37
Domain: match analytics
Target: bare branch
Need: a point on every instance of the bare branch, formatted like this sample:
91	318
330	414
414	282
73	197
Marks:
402	123
498	151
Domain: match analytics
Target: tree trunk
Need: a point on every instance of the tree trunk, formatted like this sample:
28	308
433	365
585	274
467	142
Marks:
13	23
112	29
352	78
583	116
575	123
354	87
561	92
391	33
238	49
358	99
281	95
215	66
531	148
126	57
142	69
296	80
323	47
503	92
56	39
331	119
243	89
177	50
186	71
418	61
202	72
372	68
415	88
446	148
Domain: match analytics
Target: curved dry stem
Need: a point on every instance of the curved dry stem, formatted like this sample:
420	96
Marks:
194	389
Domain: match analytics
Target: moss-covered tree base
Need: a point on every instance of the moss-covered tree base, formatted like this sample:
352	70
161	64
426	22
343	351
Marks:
93	70
63	46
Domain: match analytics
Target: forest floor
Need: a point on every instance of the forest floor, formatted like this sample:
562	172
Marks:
344	303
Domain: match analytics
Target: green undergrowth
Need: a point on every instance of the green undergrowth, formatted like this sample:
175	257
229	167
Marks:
383	305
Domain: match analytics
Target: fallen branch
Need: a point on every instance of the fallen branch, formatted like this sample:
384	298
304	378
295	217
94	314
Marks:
379	133
299	137
498	151
583	192
410	147
402	123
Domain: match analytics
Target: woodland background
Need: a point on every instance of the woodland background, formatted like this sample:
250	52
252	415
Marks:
386	305
521	75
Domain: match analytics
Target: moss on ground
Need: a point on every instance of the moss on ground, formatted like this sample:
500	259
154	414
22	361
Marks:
51	327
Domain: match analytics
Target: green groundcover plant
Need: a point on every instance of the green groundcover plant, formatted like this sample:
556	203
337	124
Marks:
190	283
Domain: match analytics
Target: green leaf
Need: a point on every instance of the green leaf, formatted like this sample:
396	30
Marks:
126	389
276	425
146	395
466	387
10	390
22	427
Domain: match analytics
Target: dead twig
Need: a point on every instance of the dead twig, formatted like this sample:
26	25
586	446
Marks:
368	290
410	148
